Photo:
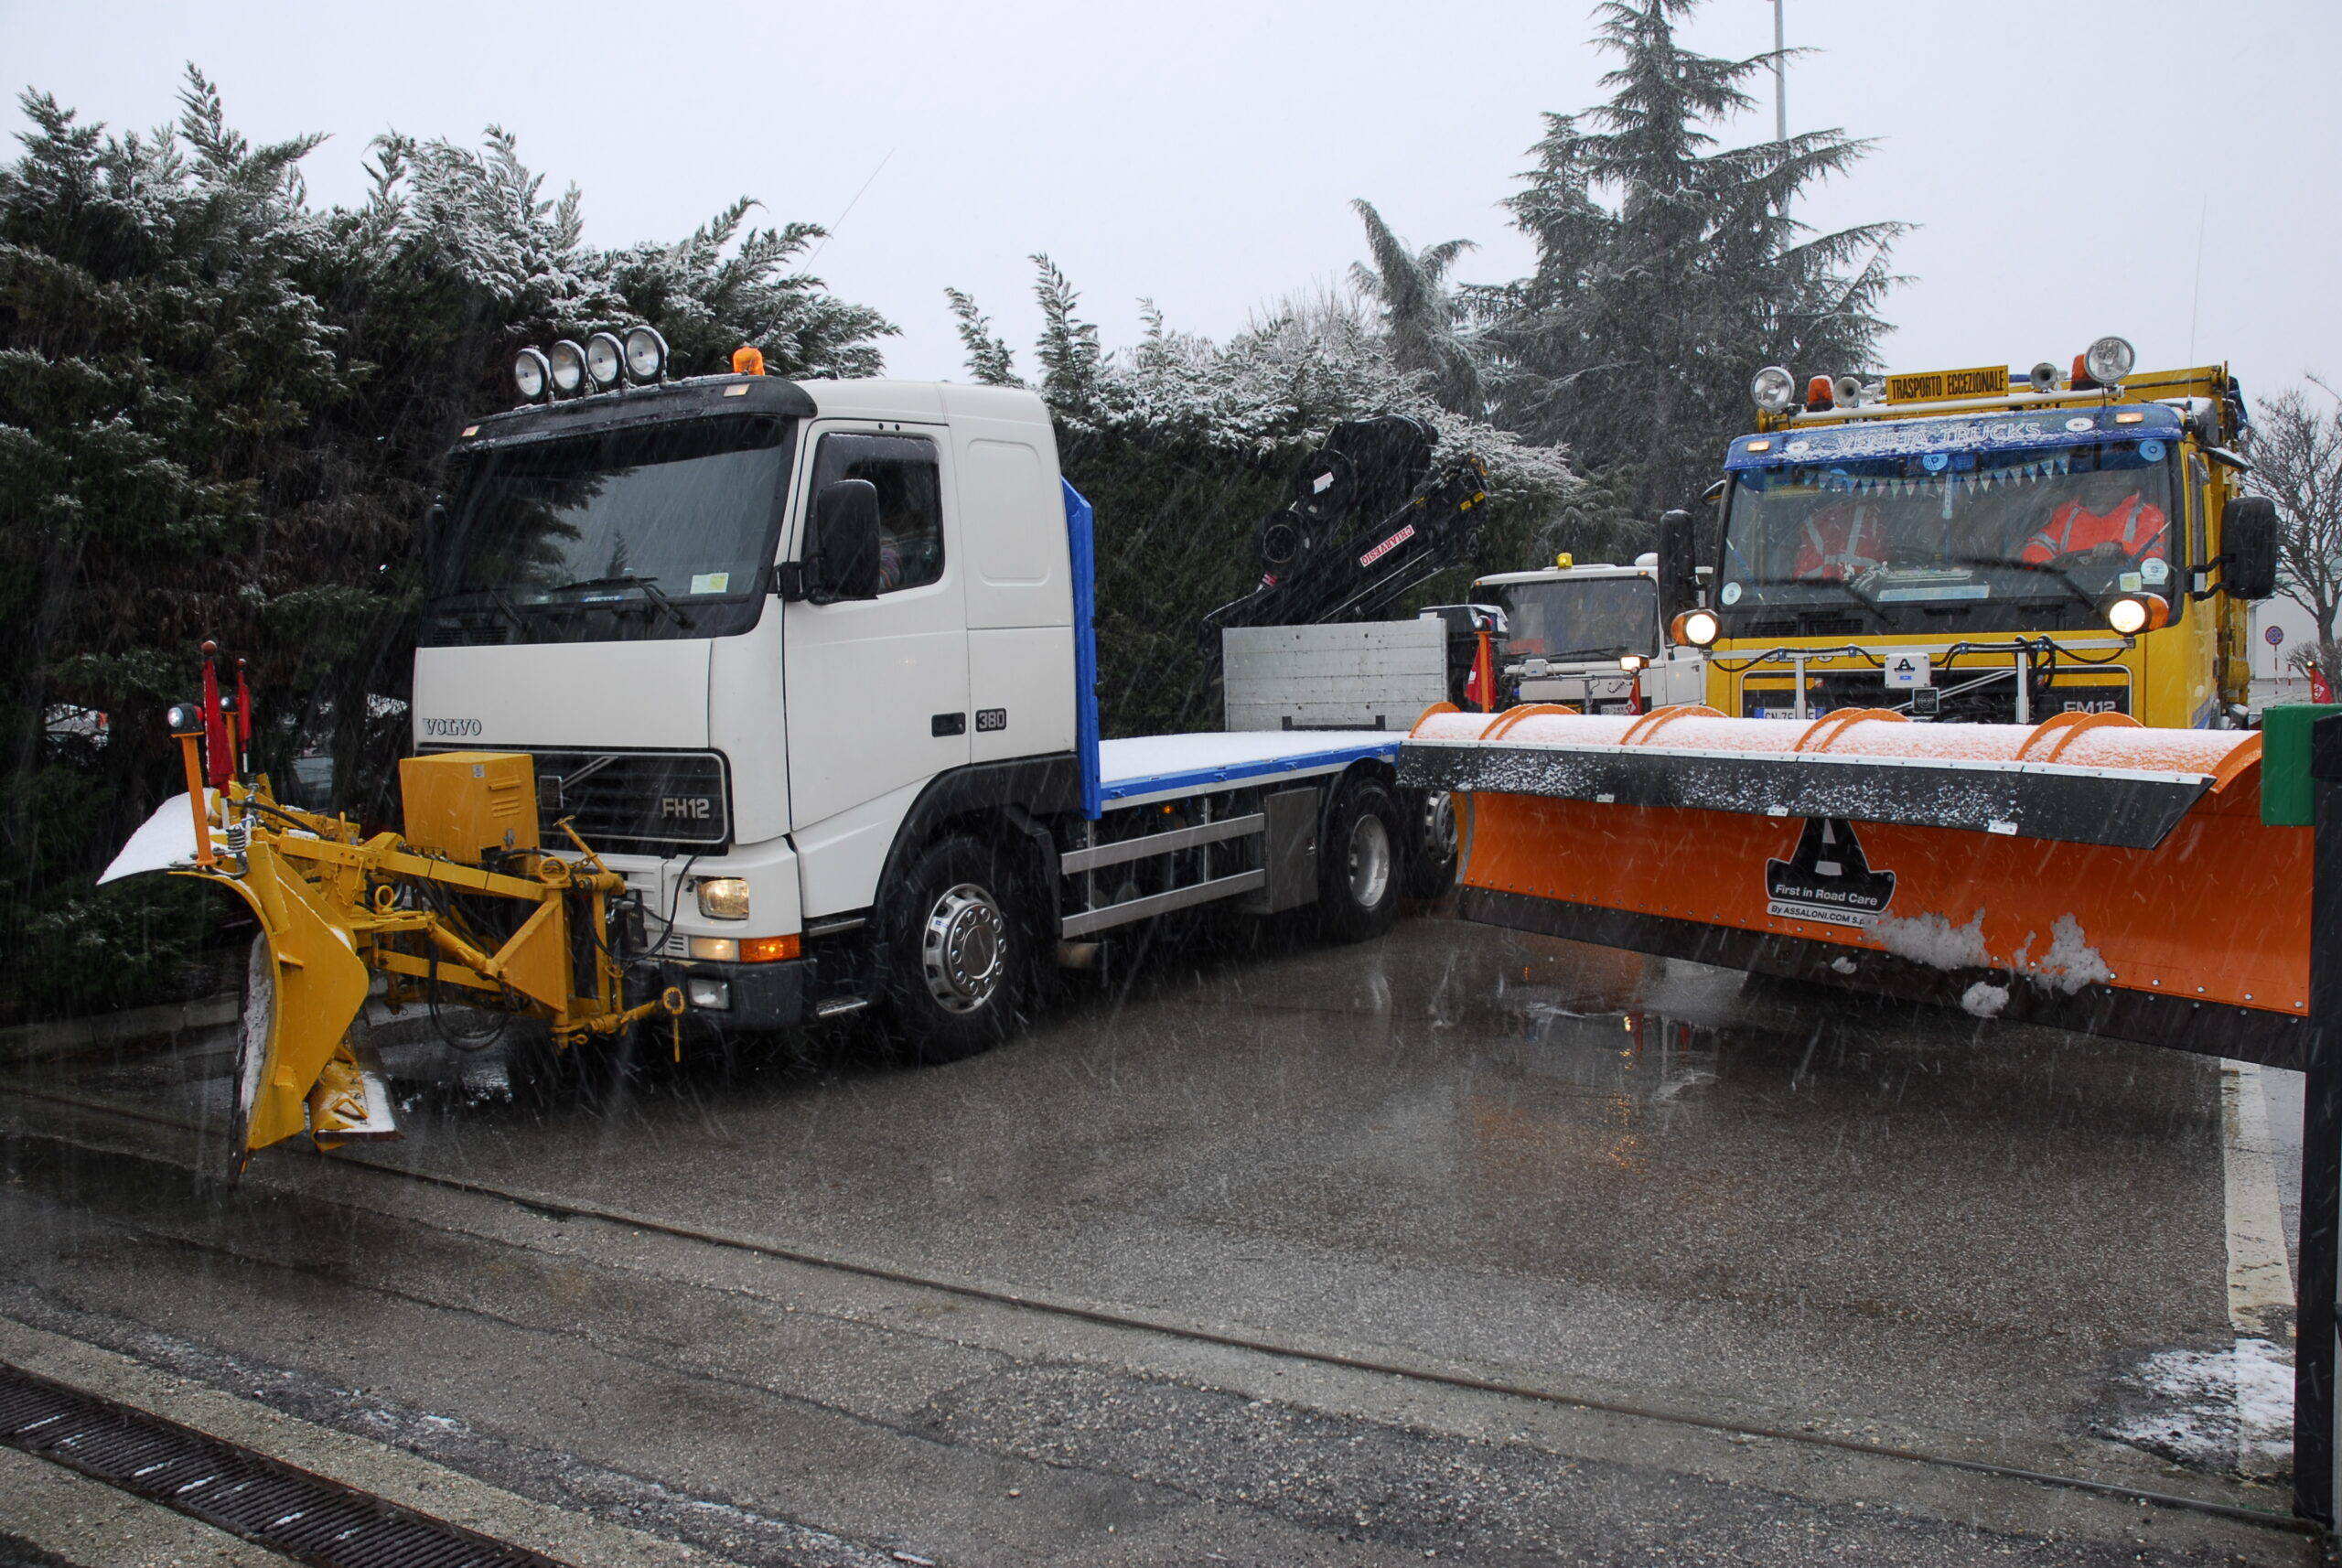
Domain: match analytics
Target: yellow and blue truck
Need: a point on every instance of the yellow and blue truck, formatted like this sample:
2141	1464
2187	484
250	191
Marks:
1954	547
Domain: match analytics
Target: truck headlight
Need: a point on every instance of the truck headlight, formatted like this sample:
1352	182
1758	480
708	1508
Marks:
1630	662
724	898
2134	613
1695	629
715	995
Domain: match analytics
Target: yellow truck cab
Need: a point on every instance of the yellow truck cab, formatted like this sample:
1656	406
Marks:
1954	549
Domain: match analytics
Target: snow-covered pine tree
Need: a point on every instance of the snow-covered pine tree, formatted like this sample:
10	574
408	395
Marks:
1669	271
221	414
989	359
1421	317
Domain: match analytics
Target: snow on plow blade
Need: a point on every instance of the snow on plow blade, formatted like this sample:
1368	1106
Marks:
2087	872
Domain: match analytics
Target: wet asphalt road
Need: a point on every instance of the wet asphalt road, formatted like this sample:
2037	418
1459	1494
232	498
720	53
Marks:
1645	1185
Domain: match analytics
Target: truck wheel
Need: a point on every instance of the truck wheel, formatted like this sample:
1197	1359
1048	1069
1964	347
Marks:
960	964
1431	862
1358	863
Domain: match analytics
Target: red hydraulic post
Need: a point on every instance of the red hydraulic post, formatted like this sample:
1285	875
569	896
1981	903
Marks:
217	764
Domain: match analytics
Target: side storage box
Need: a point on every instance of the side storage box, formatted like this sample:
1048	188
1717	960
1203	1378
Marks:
463	804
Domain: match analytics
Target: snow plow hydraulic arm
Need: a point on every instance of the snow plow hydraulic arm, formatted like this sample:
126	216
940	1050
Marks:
2088	872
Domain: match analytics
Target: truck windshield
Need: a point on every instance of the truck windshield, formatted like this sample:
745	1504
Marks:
1584	618
1943	529
657	532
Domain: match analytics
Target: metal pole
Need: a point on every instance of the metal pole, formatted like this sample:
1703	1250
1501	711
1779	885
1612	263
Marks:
2316	1343
1780	77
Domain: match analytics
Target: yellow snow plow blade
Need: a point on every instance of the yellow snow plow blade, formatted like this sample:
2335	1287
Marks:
303	990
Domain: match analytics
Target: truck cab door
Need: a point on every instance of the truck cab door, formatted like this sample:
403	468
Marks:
876	690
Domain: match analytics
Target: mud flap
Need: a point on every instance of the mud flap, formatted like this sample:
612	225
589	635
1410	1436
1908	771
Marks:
303	987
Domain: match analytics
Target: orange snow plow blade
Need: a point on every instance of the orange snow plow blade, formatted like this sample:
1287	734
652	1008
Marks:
2087	873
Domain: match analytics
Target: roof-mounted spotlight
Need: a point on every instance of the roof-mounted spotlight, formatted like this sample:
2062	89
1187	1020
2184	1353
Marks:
1773	388
531	375
605	359
2109	360
646	354
567	360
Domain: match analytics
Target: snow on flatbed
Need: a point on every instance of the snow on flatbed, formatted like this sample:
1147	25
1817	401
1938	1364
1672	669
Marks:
1145	766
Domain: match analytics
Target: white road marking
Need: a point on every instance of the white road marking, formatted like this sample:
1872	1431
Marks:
2261	1280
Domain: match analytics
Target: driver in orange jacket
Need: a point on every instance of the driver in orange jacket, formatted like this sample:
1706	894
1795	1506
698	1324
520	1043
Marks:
2124	525
1840	541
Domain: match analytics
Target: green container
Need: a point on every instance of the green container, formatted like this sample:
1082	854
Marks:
2285	794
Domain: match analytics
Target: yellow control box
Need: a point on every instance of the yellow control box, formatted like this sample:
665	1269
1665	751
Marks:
463	804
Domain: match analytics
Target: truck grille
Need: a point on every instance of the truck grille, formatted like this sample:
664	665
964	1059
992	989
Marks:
653	802
1992	702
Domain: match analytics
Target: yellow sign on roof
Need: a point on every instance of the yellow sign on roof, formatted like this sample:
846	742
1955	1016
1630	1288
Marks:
1936	386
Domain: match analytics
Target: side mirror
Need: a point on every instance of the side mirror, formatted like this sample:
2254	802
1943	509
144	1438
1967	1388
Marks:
2249	538
841	545
1678	580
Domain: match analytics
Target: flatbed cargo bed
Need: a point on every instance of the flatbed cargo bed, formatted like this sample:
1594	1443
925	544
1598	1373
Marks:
1156	767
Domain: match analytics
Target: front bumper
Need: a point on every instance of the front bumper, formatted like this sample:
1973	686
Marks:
756	996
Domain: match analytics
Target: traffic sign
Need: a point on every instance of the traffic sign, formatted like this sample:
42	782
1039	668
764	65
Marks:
2275	634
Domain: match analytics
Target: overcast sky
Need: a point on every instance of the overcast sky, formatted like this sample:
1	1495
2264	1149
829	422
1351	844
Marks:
2061	160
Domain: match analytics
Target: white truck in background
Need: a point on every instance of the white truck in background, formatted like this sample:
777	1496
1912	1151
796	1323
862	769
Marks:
1591	636
811	665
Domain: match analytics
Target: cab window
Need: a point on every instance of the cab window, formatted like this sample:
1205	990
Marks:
902	470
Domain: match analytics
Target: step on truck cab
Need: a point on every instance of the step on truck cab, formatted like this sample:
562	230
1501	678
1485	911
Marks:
1964	545
810	666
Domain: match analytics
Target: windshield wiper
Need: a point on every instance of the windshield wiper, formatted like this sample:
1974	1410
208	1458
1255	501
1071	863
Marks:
651	594
2057	571
1610	651
1838	583
505	607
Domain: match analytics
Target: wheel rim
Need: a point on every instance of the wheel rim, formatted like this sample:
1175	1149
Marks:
1369	854
964	949
1439	825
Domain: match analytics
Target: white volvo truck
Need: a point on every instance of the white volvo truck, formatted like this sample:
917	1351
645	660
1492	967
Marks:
810	664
